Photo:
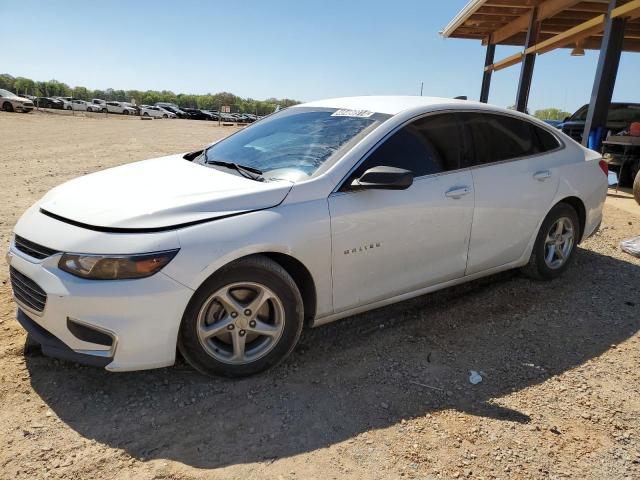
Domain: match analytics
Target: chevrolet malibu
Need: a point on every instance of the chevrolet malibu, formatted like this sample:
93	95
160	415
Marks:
315	213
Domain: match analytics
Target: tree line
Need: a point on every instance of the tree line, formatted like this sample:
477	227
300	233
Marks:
209	101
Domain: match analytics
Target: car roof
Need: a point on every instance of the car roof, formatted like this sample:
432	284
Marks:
392	105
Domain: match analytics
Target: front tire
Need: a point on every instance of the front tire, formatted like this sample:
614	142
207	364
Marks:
244	319
555	243
7	107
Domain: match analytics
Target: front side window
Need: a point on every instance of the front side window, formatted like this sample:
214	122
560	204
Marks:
498	137
299	138
432	144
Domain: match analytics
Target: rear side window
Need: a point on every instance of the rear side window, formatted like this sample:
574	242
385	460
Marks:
546	140
498	137
432	144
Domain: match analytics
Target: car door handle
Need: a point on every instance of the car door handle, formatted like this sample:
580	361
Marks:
457	192
542	175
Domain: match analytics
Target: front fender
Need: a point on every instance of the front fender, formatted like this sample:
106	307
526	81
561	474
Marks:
300	230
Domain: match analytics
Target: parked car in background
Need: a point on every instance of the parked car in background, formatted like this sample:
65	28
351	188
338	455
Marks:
554	123
83	106
155	112
48	102
620	117
227	117
315	213
120	107
100	102
215	115
196	114
133	106
66	102
10	102
173	108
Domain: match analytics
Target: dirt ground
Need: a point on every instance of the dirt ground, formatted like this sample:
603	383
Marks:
380	395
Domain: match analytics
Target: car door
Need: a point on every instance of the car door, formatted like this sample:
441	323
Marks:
389	242
515	181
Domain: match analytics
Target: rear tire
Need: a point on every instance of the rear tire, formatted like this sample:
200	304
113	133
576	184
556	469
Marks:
555	243
636	188
221	335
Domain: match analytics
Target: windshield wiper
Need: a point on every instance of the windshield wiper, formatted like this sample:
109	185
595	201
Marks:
247	172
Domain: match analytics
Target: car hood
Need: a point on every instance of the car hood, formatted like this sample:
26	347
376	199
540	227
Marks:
158	194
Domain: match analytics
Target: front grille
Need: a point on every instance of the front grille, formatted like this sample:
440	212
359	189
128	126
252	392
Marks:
28	104
26	291
33	249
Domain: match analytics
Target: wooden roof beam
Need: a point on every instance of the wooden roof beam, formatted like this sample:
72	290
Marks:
585	29
545	10
505	62
629	10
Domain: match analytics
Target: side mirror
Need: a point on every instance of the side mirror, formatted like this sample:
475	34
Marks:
384	178
566	119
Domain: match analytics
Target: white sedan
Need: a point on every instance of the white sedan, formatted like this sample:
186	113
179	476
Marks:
315	213
119	107
155	112
82	106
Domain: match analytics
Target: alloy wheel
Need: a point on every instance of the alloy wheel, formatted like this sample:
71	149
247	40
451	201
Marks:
559	243
240	323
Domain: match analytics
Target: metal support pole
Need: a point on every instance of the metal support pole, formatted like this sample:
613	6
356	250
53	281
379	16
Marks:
529	60
605	78
486	76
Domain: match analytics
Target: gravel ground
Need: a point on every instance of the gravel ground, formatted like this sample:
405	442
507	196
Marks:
380	395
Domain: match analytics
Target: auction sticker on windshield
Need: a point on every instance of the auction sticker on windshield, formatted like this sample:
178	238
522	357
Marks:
344	112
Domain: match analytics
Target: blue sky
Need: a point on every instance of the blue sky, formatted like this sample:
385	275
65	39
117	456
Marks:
284	48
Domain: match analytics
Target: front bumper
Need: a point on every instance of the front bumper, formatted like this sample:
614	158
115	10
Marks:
24	108
52	346
142	316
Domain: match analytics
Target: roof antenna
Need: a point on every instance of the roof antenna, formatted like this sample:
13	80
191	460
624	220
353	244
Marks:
421	85
461	97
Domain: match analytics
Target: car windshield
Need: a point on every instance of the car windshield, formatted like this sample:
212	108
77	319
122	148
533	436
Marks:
299	139
6	93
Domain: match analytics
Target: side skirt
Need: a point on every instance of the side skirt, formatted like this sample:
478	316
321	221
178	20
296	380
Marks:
416	293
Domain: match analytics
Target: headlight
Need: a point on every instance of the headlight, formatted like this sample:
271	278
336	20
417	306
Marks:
115	267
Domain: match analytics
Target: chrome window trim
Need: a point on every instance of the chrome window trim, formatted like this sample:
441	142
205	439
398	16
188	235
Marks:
561	144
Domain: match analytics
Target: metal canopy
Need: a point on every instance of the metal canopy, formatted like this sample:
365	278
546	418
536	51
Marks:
562	24
540	26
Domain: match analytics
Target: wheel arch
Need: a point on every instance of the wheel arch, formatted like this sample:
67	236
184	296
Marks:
299	272
579	207
302	278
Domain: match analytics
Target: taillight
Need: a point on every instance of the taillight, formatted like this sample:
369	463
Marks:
604	166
